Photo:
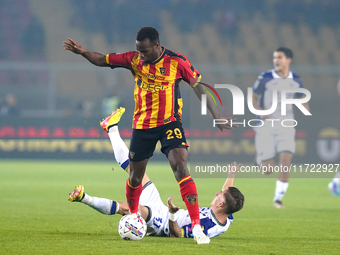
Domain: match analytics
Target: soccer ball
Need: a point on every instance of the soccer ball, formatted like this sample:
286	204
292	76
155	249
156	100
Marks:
132	227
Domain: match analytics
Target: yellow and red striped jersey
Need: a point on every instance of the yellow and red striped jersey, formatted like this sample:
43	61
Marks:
156	94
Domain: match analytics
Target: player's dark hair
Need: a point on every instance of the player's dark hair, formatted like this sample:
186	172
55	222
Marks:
234	200
148	33
288	52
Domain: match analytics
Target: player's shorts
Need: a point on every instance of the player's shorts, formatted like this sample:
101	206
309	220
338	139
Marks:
157	221
270	141
143	141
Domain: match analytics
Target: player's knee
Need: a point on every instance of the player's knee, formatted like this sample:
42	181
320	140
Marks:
135	180
285	159
285	162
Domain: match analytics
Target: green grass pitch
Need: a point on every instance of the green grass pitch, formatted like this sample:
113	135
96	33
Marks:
37	218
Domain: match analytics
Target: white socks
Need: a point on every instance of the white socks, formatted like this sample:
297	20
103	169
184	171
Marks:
102	205
280	190
119	147
197	230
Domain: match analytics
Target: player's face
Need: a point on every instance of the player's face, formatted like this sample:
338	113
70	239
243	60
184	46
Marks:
280	61
148	52
218	199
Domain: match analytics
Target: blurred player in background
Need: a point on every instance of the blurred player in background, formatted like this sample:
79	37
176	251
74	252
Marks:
165	220
272	138
157	117
334	185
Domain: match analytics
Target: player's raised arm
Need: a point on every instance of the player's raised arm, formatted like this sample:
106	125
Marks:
175	230
95	58
198	89
231	175
193	78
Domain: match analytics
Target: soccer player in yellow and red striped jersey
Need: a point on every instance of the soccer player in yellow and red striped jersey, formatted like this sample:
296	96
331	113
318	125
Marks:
158	73
156	94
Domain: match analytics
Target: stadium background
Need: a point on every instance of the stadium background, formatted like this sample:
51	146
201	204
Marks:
51	101
59	99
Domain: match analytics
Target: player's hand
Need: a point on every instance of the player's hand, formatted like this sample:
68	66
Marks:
73	46
172	208
233	169
228	124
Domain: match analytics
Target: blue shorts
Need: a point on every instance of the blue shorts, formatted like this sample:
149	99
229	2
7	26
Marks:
143	141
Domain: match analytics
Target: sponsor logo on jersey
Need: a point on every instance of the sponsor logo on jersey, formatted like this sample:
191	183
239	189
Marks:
151	76
151	86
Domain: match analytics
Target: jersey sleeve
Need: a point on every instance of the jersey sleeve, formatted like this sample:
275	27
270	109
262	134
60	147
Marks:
120	59
299	81
258	87
189	73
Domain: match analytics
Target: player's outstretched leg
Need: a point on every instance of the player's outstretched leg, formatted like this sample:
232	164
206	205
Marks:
109	124
102	205
120	150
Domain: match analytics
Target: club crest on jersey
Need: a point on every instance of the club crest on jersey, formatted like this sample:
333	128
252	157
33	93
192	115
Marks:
132	154
162	70
192	199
